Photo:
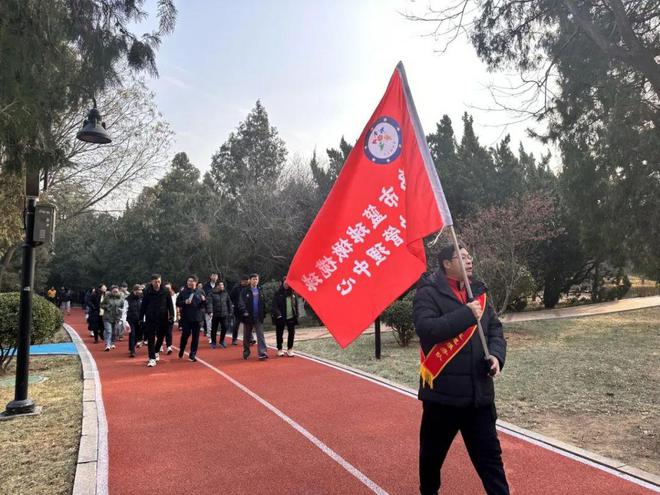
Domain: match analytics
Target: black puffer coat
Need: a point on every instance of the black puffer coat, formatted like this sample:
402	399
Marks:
221	304
438	316
156	307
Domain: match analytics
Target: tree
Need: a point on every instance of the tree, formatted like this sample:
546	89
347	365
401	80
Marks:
502	239
325	176
57	55
11	228
110	174
252	156
589	70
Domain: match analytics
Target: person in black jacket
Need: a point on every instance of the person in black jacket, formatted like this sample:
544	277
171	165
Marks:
222	309
461	396
94	320
134	301
193	306
157	310
235	296
208	289
284	312
251	309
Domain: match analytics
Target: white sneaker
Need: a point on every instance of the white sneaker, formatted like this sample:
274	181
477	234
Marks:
112	346
280	352
107	348
161	349
157	356
139	344
210	341
91	334
151	363
290	353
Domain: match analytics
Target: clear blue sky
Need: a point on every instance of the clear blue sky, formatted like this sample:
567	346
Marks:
319	68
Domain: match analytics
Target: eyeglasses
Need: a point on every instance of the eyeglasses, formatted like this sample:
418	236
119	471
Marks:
463	257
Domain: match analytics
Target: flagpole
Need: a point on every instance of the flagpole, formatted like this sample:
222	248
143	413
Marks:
466	281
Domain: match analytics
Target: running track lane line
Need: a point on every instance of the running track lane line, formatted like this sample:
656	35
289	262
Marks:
300	429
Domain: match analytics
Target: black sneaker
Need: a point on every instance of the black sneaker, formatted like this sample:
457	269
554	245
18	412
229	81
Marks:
263	356
180	353
246	354
132	354
192	358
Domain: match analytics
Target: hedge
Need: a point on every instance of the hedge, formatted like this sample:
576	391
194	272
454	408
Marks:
46	321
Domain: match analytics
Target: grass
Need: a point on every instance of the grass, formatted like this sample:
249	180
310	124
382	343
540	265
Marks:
593	382
38	454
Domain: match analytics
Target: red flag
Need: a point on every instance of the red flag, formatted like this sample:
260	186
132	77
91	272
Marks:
365	247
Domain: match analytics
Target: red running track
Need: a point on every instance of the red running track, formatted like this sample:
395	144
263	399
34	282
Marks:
185	427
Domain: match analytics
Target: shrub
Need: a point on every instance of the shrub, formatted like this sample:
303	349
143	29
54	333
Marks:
399	316
46	321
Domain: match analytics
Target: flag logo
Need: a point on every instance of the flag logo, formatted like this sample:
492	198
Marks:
383	142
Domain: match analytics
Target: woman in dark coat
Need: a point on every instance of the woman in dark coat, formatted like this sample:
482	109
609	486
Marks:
284	313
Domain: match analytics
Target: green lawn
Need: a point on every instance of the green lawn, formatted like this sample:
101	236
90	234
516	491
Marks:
593	381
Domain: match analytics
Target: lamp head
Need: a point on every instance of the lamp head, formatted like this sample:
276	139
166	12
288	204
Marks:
93	130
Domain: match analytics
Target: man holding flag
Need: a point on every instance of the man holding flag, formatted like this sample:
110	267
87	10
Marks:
455	386
366	246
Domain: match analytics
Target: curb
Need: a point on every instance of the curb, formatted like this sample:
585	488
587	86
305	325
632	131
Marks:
617	468
92	468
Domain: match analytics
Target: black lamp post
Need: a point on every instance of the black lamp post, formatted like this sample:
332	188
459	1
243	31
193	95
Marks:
93	131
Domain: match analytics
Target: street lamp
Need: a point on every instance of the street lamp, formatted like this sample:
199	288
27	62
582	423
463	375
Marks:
93	131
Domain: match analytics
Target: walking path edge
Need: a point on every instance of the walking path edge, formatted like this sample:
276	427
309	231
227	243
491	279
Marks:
91	476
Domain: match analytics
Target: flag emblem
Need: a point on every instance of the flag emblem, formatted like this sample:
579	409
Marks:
383	142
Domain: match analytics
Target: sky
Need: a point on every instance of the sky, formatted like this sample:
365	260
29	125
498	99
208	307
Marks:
319	68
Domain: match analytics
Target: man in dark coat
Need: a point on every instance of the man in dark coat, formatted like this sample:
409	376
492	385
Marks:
157	310
193	306
235	295
251	308
134	301
457	382
222	310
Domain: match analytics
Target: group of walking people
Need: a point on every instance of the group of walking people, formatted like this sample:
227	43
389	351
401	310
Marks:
149	312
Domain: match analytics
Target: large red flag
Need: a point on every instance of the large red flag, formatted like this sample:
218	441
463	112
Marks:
365	247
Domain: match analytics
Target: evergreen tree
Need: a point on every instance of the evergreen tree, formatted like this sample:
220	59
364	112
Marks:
325	177
252	156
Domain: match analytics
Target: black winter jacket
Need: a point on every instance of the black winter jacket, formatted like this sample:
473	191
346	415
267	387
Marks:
246	306
221	304
278	308
438	316
193	312
157	307
235	296
134	303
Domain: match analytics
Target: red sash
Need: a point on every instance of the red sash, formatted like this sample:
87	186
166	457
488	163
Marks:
435	361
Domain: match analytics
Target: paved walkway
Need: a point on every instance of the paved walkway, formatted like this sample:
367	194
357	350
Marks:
290	426
312	333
